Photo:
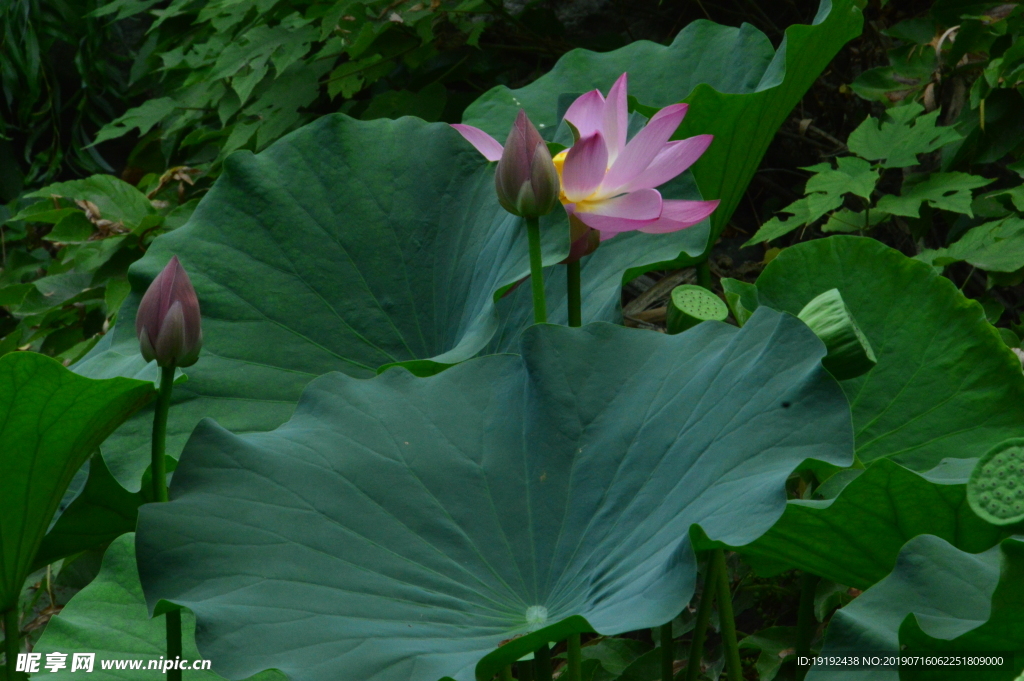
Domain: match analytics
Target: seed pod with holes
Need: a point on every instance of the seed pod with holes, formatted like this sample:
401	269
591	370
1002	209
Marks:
996	488
690	305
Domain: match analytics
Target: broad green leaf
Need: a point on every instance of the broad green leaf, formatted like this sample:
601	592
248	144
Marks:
51	420
143	117
347	246
825	191
804	211
109	618
854	539
996	246
117	200
945	191
738	89
403	527
896	142
936	591
852	175
945	385
102	512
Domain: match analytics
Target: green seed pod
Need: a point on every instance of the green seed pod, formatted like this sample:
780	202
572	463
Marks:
996	488
849	352
691	305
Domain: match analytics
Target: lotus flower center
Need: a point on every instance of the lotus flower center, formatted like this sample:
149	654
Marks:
536	615
559	161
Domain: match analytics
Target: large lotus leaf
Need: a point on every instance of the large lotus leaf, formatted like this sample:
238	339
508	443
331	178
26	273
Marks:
109	618
51	420
402	527
945	386
739	89
1002	632
854	539
346	246
936	591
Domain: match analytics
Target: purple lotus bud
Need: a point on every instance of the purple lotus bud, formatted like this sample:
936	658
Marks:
167	322
526	180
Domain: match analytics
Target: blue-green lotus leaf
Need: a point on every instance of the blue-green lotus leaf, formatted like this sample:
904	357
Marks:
938	601
347	246
403	527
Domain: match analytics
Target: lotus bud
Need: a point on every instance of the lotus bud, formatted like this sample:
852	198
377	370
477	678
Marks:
526	180
168	322
849	352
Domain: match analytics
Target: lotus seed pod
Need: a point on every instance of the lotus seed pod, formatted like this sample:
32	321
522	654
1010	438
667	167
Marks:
690	305
996	488
849	352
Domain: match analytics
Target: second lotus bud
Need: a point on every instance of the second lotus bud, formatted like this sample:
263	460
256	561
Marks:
168	321
526	180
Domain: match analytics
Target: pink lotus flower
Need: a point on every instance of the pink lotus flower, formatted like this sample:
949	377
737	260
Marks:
609	184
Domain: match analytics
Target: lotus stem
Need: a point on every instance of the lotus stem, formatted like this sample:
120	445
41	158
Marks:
574	655
704	274
12	641
525	670
173	642
700	627
542	663
505	674
540	311
668	652
163	404
572	277
733	669
805	622
159	470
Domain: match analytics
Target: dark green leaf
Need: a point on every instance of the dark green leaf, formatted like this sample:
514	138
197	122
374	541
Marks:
945	384
51	420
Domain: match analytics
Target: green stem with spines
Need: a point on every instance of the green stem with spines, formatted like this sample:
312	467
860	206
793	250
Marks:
704	274
540	307
12	641
700	626
733	668
542	663
163	405
574	658
158	467
173	619
805	622
668	652
574	296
